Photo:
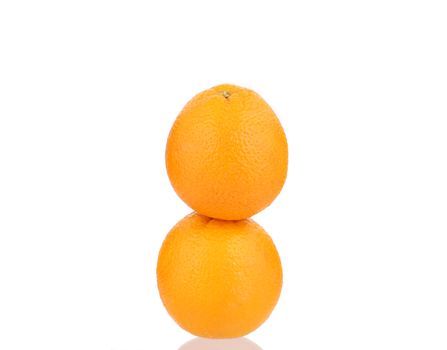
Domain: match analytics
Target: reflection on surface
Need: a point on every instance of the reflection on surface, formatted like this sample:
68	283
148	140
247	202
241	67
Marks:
224	344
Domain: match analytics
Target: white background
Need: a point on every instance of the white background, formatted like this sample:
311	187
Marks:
88	92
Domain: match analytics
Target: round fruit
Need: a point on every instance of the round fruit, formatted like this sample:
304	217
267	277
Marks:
219	279
226	154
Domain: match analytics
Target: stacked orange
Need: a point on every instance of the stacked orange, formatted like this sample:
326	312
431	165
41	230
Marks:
219	273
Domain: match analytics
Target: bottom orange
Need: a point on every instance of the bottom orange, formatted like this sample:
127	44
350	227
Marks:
219	279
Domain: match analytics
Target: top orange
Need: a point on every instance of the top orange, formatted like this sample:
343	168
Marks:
226	154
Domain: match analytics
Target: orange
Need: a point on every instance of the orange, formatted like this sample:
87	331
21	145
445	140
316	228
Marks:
226	154
219	279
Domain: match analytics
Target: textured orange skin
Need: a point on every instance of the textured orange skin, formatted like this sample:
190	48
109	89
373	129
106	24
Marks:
226	154
219	279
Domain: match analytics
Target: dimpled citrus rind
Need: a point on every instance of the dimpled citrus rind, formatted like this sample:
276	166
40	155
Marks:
219	279
226	154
